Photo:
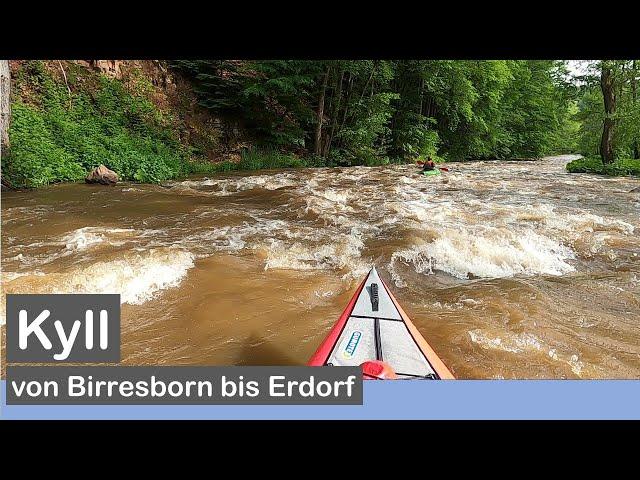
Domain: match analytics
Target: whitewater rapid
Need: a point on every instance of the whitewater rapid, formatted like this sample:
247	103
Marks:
455	247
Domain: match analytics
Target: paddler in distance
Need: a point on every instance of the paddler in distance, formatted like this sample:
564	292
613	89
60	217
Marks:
428	165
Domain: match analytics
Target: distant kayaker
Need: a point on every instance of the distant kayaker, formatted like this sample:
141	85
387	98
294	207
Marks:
428	165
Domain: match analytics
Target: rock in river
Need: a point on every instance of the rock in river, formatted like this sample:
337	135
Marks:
102	175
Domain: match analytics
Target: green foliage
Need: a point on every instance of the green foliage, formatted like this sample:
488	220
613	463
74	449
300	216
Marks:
64	136
626	133
35	158
277	94
252	159
256	159
507	109
271	98
416	139
364	140
594	165
377	111
218	83
480	109
566	138
590	115
364	112
530	111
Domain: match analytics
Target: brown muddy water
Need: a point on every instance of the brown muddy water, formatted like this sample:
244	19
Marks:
509	269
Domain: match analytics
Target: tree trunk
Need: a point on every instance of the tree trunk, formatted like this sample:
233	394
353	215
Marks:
608	93
634	93
334	113
320	114
364	90
346	102
5	105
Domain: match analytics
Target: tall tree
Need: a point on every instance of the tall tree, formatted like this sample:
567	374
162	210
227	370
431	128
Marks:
320	113
609	96
365	111
5	104
634	95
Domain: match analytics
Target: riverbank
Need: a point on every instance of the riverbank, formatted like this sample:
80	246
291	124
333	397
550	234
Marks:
154	120
622	167
137	118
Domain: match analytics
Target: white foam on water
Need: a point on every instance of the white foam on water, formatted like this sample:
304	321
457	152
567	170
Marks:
469	226
465	303
487	252
136	276
334	196
85	237
342	253
324	293
268	182
220	239
238	237
471	301
76	241
576	365
579	222
488	238
513	343
524	342
10	276
326	203
231	186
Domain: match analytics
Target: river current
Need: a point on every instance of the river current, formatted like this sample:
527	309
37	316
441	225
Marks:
509	269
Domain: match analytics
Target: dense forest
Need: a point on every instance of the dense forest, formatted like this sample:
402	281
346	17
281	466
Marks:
321	113
608	116
376	111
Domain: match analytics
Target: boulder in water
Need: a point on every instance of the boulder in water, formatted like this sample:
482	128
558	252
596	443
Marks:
635	190
102	175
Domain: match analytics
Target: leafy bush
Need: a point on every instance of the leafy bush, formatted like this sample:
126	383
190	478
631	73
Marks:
256	159
62	136
35	158
594	165
251	159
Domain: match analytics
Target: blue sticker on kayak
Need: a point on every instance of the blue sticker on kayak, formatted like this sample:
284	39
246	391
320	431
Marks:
352	344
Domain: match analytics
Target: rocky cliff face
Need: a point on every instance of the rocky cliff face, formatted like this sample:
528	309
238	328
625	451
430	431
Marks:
111	68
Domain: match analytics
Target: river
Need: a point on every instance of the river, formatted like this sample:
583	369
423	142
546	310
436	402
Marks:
509	269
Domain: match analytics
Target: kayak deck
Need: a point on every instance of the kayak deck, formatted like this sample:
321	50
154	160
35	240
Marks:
374	327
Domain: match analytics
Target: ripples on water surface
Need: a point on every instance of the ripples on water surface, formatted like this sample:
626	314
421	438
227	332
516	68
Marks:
509	269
